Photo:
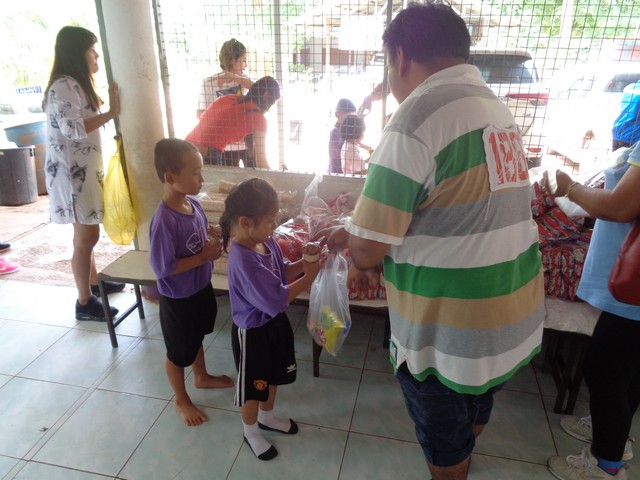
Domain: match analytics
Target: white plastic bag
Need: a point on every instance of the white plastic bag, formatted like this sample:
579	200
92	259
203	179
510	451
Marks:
329	319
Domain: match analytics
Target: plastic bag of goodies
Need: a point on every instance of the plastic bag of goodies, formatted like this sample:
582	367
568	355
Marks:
329	319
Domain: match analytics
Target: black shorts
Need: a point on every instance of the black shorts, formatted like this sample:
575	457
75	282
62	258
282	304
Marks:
264	356
185	322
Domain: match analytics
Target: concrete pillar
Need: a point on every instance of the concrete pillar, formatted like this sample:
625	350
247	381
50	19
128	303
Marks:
129	35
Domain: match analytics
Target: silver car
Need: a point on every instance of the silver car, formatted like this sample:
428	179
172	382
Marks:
512	75
583	105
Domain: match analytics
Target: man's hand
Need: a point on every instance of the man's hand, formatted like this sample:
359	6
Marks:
363	281
335	238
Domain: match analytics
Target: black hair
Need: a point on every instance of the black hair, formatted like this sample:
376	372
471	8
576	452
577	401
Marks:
256	94
254	198
72	44
167	155
231	51
345	105
425	32
352	127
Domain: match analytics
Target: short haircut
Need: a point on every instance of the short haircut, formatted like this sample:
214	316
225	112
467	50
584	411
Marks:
425	32
352	127
231	51
345	105
256	93
168	155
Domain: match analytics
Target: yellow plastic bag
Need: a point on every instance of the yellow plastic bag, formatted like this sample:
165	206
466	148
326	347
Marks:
119	219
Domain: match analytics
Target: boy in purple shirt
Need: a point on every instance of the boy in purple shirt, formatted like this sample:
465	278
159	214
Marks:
182	258
259	290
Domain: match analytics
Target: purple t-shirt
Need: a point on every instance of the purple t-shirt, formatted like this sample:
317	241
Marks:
258	288
175	235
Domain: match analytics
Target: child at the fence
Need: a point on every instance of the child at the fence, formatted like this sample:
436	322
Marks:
182	256
354	154
259	291
344	107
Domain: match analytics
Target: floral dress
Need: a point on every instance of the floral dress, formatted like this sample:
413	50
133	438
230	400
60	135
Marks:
74	165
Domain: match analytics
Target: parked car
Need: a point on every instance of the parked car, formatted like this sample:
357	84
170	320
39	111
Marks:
19	106
584	102
512	75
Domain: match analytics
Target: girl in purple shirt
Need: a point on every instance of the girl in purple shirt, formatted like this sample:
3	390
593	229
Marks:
259	291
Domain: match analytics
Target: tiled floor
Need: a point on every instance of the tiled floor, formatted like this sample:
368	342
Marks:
73	408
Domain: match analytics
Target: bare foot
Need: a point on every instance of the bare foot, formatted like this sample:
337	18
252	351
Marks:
190	414
213	381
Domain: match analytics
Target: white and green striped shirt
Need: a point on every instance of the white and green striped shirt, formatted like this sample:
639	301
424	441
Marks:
463	275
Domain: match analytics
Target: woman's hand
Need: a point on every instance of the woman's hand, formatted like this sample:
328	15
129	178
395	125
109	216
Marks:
114	99
562	180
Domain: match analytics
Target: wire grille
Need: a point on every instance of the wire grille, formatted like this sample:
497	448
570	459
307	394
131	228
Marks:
559	65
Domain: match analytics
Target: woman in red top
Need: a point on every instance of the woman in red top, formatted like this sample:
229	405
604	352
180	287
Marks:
230	119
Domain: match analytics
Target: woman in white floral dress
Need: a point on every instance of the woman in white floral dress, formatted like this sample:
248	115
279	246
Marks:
74	164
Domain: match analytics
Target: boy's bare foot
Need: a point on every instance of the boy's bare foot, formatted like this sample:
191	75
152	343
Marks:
190	414
213	381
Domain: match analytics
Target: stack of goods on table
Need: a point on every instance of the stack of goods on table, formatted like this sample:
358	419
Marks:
296	232
565	234
213	204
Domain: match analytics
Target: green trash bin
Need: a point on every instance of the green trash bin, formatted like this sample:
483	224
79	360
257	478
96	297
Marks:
18	183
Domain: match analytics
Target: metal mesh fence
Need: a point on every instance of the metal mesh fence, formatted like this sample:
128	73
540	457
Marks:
561	66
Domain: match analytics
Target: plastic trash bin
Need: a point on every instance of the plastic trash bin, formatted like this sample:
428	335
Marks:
18	176
33	133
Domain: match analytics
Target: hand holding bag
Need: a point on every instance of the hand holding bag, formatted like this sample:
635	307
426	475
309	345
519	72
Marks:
624	280
329	319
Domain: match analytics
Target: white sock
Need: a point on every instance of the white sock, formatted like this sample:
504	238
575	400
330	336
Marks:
267	418
256	441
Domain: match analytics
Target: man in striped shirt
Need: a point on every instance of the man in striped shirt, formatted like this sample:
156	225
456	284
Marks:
446	209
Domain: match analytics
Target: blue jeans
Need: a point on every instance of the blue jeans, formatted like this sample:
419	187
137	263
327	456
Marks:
444	419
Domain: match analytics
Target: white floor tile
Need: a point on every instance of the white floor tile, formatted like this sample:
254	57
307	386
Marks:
40	471
484	467
14	299
326	401
28	409
54	305
22	343
4	379
392	421
376	458
103	433
173	450
78	358
141	371
6	463
517	429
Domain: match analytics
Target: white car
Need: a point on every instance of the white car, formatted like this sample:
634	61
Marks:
584	102
512	75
